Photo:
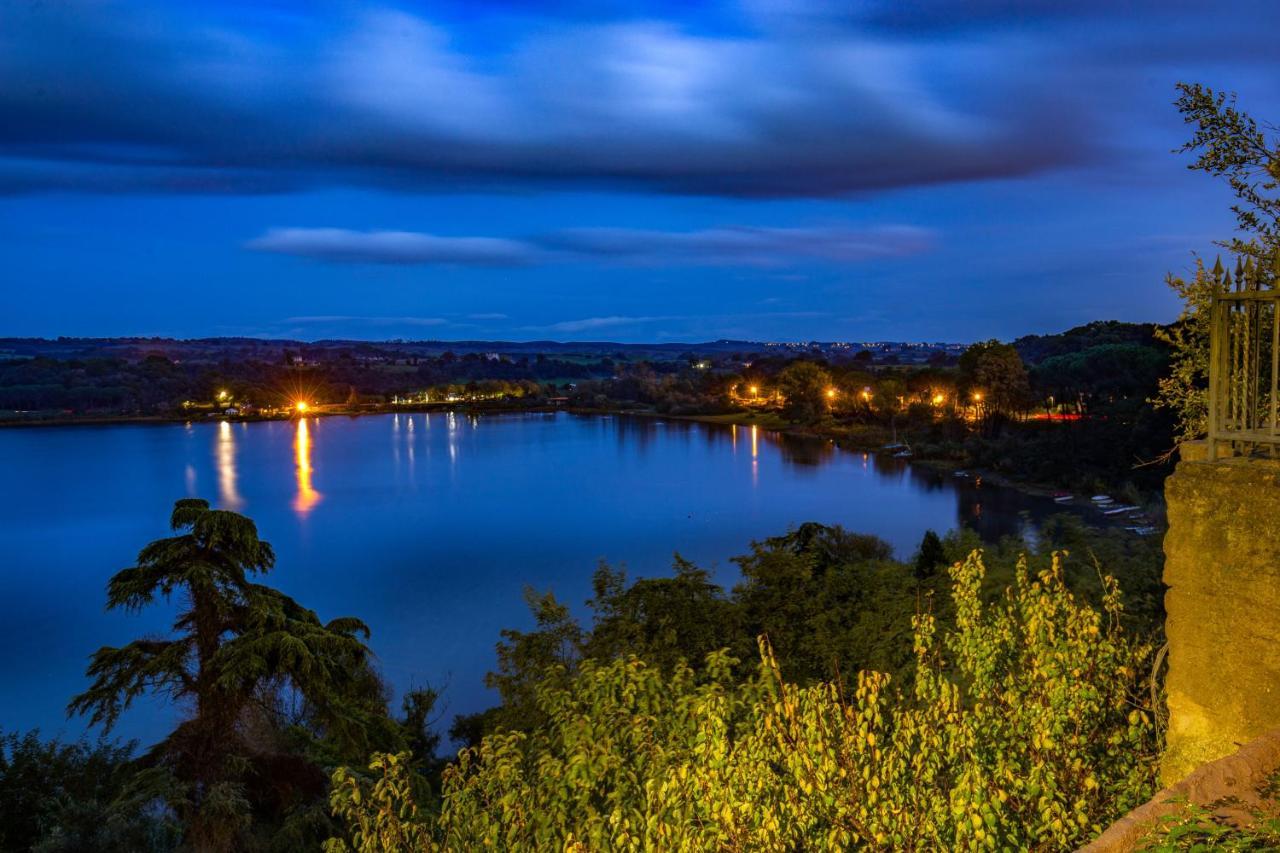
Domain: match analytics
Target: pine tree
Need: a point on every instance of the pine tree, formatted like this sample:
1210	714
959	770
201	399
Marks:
238	647
930	556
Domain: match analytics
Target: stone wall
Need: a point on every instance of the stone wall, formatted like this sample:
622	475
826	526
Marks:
1222	567
1238	780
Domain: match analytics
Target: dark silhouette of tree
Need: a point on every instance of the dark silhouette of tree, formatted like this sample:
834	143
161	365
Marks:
239	650
60	797
931	555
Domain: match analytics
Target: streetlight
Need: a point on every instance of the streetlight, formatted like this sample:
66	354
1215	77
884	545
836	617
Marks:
301	406
831	393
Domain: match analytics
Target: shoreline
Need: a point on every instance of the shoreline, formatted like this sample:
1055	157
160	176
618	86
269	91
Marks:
863	441
867	438
162	420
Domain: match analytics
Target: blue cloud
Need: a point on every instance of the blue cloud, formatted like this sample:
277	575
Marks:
113	97
738	246
393	247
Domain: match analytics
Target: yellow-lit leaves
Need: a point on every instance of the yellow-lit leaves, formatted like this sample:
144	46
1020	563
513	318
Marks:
1023	729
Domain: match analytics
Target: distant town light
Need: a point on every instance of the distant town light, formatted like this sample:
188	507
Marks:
977	396
938	399
301	405
754	389
222	395
831	393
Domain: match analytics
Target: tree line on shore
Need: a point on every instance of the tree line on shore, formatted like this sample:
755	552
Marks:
1098	379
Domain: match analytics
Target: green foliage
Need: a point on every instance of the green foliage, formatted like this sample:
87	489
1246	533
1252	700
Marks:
996	371
1184	391
930	557
831	602
380	812
241	653
1102	375
1024	728
1035	349
78	796
662	620
524	655
1231	146
804	388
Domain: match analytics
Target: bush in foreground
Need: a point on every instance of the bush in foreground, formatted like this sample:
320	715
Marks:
1025	728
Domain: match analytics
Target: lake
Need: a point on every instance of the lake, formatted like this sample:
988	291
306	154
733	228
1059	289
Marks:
426	526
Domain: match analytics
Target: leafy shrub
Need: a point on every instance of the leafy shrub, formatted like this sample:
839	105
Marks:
1024	729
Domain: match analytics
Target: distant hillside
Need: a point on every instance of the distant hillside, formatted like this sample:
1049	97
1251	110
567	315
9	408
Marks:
259	349
215	350
1036	348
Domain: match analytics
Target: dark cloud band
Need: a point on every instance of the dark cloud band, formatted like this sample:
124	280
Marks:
105	97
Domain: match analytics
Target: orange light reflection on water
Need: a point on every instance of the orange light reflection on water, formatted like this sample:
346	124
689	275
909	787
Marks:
228	492
307	496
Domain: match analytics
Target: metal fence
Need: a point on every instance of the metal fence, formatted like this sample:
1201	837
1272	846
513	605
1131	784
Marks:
1244	368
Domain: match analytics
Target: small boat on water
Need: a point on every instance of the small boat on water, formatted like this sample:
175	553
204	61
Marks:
1063	497
959	473
896	445
1141	530
902	454
1118	510
1101	499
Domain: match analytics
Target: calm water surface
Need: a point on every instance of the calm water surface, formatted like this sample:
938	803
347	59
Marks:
425	526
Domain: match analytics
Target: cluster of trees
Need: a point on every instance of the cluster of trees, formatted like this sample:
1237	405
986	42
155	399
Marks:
830	601
276	699
157	385
96	385
484	389
1096	382
1024	725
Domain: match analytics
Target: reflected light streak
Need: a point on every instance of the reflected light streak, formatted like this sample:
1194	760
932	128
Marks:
228	492
755	456
410	443
307	496
453	438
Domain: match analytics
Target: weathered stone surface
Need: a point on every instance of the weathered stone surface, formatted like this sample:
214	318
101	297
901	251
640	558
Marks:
1222	567
1236	779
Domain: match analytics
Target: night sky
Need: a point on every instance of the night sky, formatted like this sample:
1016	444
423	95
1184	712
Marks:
773	170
